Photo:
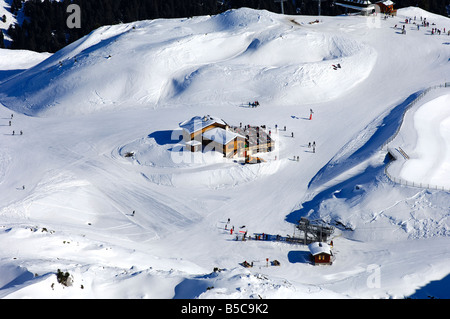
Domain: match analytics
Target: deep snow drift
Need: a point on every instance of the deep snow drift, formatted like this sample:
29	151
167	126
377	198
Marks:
152	225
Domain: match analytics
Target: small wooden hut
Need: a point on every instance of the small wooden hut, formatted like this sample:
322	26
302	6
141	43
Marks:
321	253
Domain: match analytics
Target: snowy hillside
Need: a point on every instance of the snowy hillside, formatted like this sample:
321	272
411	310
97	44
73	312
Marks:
176	67
152	225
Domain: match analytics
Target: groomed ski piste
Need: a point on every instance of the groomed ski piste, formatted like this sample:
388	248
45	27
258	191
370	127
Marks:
152	225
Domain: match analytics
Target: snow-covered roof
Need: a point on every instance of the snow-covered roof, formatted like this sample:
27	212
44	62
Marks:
387	2
193	143
199	122
221	136
318	248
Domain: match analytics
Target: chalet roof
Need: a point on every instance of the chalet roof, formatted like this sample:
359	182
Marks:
387	2
363	5
318	248
197	123
221	136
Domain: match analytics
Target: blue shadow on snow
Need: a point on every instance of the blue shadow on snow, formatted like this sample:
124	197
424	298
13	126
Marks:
436	289
348	189
166	137
385	130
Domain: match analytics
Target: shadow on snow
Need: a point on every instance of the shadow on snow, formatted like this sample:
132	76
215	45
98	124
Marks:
386	129
349	188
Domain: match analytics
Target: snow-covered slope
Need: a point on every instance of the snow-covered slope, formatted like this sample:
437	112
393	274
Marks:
143	64
69	191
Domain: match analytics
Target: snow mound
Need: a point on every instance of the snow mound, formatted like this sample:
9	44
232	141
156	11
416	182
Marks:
20	59
166	161
430	157
179	62
13	275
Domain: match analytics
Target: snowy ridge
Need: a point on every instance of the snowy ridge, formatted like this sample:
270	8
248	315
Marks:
297	62
99	183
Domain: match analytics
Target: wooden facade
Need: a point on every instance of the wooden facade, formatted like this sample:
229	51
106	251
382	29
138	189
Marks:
386	7
321	253
322	258
213	133
224	141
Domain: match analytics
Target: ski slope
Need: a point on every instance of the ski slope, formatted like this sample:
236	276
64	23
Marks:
69	192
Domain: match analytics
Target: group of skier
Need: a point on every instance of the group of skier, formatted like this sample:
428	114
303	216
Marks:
254	104
10	124
423	23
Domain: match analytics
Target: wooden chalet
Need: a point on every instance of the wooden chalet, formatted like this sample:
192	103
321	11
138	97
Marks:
212	133
321	253
229	143
386	7
196	126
